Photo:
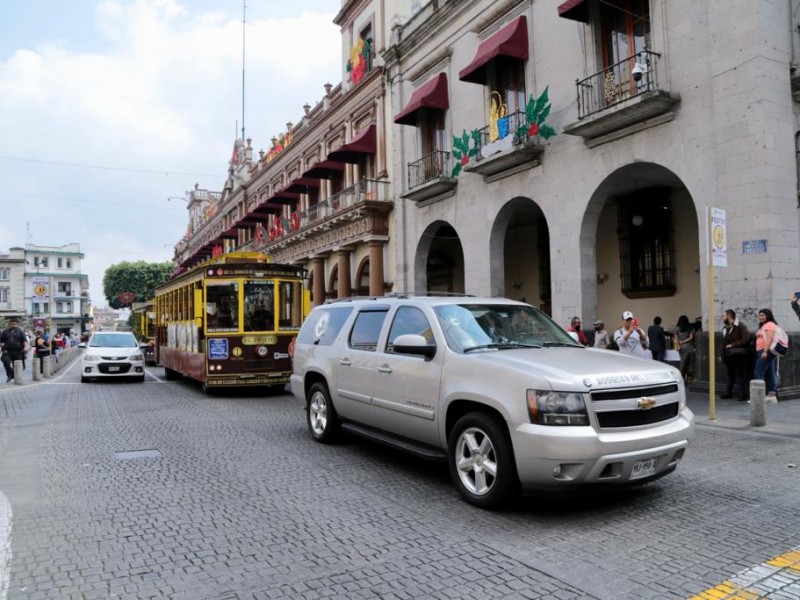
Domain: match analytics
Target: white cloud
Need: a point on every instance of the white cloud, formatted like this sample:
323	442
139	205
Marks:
163	94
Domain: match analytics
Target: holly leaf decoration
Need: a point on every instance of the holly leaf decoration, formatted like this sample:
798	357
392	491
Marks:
546	131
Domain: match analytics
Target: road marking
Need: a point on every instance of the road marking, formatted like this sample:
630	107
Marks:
777	578
5	545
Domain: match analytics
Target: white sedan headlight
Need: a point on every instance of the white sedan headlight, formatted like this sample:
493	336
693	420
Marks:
546	407
136	357
91	358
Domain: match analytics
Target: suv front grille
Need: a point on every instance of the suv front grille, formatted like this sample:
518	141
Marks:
633	418
660	390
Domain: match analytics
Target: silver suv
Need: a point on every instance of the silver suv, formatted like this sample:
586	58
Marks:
494	387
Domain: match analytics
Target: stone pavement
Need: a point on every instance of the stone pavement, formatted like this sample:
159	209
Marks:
783	418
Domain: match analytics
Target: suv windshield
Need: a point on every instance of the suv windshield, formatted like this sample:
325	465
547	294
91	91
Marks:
474	326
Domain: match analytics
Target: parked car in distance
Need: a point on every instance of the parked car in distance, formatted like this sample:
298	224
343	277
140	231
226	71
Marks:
112	354
494	387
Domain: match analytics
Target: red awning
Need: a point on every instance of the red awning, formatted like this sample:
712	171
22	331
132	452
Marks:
229	234
266	208
324	169
510	41
351	152
575	10
432	94
301	185
284	197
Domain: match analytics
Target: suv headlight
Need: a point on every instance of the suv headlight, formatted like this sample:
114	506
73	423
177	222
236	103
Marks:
546	407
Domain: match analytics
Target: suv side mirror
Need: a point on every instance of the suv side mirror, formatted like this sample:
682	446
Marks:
412	343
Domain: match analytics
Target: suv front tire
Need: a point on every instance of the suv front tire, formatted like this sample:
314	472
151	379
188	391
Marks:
481	461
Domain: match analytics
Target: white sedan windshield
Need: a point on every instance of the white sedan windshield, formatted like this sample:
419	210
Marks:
100	340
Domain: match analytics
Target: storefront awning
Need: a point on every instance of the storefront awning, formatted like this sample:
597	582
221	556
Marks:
351	152
575	10
301	185
511	41
324	169
432	94
266	208
229	234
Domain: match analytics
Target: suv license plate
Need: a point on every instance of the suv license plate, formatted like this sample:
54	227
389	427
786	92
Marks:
115	369
644	467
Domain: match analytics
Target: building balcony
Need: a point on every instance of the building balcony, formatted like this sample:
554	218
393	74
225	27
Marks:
621	99
430	177
507	148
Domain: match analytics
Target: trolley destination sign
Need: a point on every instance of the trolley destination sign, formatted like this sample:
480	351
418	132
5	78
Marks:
223	271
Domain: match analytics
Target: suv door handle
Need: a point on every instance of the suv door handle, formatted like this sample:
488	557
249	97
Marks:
384	369
345	362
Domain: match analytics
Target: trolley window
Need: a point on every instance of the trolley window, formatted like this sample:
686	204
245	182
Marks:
259	306
222	300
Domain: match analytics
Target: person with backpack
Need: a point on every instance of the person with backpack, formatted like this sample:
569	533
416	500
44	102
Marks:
766	361
13	345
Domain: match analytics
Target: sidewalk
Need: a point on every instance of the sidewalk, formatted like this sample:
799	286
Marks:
27	374
783	418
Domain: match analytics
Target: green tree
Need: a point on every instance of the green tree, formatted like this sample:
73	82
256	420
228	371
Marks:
129	282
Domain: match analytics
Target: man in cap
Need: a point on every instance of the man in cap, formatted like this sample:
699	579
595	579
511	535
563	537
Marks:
630	338
601	337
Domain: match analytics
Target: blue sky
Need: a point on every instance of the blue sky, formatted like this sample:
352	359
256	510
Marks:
107	108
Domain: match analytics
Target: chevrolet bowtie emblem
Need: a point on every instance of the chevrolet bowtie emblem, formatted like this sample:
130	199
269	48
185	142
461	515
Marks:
645	403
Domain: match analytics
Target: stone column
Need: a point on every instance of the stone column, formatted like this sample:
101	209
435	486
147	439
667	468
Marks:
318	272
376	287
345	290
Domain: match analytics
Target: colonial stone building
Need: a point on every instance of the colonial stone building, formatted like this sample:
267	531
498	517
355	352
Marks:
321	196
567	154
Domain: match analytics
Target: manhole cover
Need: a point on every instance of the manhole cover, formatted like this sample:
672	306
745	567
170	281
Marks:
134	454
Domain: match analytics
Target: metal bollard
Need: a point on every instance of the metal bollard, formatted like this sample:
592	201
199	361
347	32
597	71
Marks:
758	403
18	372
47	366
36	365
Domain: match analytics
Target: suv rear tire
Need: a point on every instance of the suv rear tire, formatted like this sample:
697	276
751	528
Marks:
481	461
323	422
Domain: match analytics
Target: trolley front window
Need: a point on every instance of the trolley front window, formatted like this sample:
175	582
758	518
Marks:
222	301
259	306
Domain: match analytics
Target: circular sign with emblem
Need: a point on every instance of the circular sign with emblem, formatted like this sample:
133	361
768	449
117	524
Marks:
262	350
719	236
40	290
322	325
237	352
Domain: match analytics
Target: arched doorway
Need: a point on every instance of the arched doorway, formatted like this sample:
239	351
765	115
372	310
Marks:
640	244
333	283
520	254
439	264
362	278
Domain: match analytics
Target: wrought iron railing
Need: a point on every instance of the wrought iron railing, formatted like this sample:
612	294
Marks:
617	83
428	168
506	126
366	189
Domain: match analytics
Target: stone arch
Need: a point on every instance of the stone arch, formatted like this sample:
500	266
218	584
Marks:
439	260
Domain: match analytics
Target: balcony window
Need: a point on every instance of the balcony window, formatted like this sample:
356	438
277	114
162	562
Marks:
3	295
646	243
506	76
5	274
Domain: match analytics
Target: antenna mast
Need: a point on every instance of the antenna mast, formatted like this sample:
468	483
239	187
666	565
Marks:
244	8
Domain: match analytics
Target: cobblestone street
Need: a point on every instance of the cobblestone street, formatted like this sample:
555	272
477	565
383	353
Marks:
159	491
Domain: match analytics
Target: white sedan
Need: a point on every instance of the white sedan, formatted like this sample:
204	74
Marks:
112	354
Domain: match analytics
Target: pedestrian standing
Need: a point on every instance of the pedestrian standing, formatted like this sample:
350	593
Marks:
795	305
655	338
734	355
684	333
42	348
630	339
13	346
576	327
601	337
766	361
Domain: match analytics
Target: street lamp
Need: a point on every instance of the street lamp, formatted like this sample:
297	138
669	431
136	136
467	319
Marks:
187	200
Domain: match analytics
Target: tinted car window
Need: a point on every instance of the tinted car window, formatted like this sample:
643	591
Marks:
409	319
323	325
367	329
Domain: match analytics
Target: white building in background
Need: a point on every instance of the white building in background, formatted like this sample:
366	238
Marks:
56	292
12	277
